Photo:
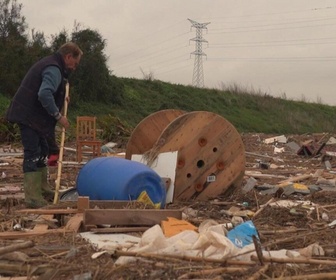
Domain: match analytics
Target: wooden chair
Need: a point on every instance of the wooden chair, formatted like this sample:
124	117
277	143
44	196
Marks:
86	137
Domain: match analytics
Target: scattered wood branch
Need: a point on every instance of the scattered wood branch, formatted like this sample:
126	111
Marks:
317	212
213	271
185	258
317	276
223	203
256	275
263	207
9	268
20	278
258	155
293	237
261	175
256	199
296	260
258	249
16	247
296	179
280	231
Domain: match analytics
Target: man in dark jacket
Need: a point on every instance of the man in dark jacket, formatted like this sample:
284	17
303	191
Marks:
36	108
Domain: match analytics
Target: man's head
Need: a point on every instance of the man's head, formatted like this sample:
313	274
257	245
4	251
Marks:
71	54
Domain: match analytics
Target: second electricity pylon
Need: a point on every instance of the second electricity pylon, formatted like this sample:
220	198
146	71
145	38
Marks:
198	77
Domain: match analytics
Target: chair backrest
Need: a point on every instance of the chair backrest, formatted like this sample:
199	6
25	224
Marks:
86	128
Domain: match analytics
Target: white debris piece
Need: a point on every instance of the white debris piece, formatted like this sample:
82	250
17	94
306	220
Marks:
278	150
278	139
332	140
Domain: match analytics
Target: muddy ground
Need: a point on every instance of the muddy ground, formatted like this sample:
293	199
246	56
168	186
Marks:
67	256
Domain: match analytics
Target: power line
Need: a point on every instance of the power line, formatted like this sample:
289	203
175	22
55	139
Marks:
136	52
277	13
284	41
147	35
276	59
159	63
174	69
266	44
277	24
270	29
149	57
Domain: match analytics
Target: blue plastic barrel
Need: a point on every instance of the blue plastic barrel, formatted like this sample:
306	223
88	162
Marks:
111	178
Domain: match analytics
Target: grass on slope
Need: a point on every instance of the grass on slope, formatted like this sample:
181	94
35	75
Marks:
248	112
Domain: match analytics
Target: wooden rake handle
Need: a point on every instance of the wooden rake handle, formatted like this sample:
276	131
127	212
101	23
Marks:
60	158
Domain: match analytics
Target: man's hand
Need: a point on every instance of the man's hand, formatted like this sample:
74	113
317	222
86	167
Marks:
52	160
64	122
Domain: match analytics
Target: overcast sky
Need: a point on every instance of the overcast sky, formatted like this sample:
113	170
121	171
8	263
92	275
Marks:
279	47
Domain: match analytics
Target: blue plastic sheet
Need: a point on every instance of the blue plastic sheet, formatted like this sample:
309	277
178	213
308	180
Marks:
242	234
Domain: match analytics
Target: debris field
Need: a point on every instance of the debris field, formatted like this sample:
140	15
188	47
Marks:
288	193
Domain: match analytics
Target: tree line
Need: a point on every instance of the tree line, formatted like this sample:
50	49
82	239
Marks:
92	81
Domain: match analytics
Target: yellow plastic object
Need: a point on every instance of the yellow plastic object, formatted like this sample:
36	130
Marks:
300	186
295	186
144	197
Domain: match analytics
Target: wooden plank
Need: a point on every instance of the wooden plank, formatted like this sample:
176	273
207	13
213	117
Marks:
117	204
42	211
12	196
69	206
29	234
74	223
144	217
83	202
43	226
119	229
19	278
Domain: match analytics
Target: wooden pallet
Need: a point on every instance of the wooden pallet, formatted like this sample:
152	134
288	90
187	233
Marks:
114	213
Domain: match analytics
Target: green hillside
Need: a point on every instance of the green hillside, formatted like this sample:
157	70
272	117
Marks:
248	112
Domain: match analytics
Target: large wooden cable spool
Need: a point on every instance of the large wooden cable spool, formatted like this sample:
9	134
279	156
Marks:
147	132
211	154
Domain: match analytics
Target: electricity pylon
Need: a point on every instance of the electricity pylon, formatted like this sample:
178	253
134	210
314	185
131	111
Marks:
198	76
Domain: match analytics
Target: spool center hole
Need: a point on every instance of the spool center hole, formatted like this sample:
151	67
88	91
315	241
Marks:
200	163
